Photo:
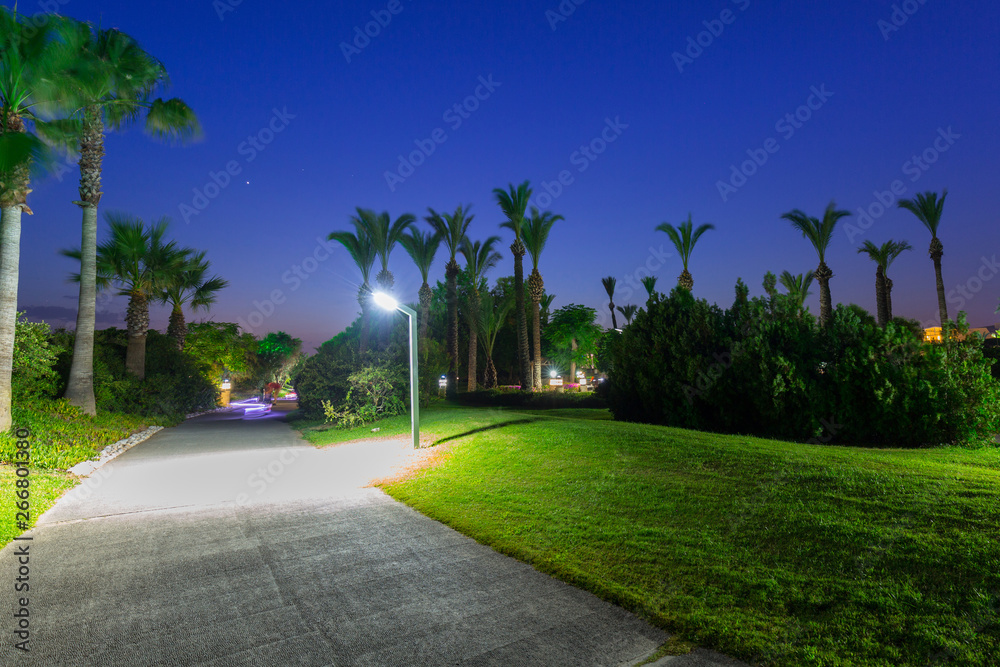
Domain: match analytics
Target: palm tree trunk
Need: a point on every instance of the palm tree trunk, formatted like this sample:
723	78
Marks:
10	248
425	312
473	329
614	320
888	299
536	326
451	271
936	252
490	376
80	384
517	249
823	275
572	361
137	321
880	297
363	303
177	328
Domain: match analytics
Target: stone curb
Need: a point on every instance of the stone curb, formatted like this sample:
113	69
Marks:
87	468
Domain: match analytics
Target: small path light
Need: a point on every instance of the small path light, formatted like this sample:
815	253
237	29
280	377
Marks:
389	303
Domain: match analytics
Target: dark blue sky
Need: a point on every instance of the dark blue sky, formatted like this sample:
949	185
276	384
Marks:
879	98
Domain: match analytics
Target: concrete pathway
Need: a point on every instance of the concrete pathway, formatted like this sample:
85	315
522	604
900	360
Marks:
230	541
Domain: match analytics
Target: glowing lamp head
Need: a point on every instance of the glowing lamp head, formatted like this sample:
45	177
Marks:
552	374
385	301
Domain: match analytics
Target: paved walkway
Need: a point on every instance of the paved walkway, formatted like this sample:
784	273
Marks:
230	541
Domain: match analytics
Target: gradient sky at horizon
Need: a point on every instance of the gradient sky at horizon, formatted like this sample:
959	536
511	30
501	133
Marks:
260	72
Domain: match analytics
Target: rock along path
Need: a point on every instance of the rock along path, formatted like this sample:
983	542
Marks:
230	541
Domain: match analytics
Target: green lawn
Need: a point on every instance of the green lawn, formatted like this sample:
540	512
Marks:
773	552
44	488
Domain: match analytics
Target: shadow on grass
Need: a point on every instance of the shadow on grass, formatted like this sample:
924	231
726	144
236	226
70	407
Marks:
513	422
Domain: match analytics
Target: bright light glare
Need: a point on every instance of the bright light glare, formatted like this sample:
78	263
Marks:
552	373
385	301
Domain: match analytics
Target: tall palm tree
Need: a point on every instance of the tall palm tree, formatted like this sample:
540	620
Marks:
513	203
190	285
819	233
649	282
883	256
928	207
33	59
492	317
535	233
452	228
384	233
118	81
609	287
628	312
362	251
480	257
684	238
141	263
422	247
797	286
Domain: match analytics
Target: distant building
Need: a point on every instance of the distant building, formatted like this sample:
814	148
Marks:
933	334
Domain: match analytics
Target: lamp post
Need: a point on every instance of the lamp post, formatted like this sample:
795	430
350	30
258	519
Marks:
389	303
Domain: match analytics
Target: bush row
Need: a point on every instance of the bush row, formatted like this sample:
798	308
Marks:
764	367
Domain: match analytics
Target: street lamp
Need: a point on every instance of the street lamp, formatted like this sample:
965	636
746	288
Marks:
387	302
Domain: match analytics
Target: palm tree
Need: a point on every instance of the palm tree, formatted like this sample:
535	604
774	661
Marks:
684	238
513	203
927	206
649	282
32	64
609	287
192	286
797	286
543	307
384	234
883	256
492	317
362	251
819	233
628	312
479	258
452	229
422	247
119	80
535	232
141	262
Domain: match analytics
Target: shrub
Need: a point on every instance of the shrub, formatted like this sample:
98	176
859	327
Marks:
543	400
374	393
34	360
763	367
175	384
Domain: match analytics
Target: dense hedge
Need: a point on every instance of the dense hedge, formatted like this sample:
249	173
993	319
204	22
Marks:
545	400
175	384
765	368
